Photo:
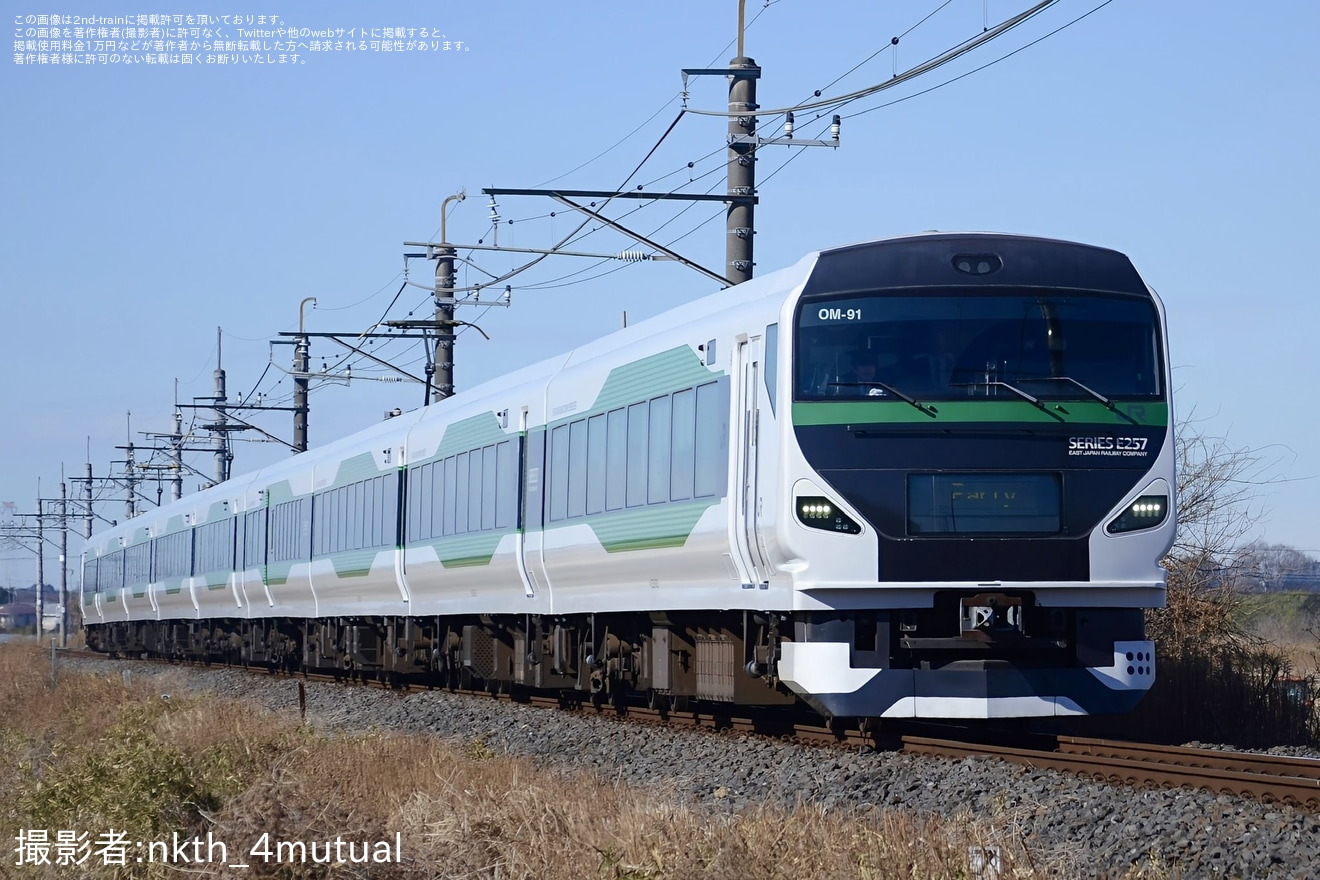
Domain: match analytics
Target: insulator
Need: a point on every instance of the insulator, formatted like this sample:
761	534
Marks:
788	126
634	256
834	127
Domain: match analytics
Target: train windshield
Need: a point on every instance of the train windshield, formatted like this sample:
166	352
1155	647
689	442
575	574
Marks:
954	344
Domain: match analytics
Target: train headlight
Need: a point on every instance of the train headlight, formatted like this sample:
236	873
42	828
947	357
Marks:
820	513
1146	512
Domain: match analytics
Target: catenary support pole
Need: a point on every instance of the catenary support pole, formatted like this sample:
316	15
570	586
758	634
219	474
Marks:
443	379
176	457
443	382
221	432
41	563
740	218
64	568
302	355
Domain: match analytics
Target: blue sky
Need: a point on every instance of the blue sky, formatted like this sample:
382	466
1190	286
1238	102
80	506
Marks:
147	205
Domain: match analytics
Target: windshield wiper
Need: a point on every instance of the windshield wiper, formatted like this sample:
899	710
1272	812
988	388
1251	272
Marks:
927	409
1109	404
995	383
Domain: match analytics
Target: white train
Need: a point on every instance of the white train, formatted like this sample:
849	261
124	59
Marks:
927	476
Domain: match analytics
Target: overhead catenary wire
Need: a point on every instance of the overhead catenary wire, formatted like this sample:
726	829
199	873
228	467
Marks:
921	69
722	165
975	70
767	4
885	48
937	61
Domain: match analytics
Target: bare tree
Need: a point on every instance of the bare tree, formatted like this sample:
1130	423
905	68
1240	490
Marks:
1218	497
1218	507
1217	682
1267	567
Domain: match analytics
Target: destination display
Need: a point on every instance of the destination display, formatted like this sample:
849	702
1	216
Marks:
984	504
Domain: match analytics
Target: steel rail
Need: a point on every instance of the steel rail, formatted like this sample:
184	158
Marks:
1267	777
1243	762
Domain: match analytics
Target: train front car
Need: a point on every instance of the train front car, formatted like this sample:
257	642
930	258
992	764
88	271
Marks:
981	467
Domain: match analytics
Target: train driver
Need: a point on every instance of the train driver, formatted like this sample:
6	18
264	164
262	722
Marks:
861	382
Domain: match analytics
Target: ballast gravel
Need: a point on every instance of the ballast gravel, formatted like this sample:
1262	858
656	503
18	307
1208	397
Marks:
1114	829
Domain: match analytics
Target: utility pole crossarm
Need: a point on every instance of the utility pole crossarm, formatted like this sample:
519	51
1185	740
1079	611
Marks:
244	425
741	198
371	357
643	239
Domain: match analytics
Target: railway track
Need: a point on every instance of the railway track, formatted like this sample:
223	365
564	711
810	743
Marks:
1267	777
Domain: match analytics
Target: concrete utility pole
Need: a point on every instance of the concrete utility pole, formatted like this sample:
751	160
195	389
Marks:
87	499
222	456
64	564
302	354
740	221
442	382
41	563
176	455
130	481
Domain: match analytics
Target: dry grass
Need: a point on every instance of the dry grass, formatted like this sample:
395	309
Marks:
99	753
1291	623
1301	650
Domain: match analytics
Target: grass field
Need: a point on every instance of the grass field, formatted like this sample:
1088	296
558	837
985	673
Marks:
1288	620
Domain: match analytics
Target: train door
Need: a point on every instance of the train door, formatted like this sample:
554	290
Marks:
96	589
152	585
236	557
531	457
401	502
749	552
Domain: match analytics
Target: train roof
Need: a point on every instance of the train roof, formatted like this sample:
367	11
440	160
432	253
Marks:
932	259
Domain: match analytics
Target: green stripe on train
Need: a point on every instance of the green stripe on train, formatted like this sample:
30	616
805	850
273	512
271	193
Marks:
464	551
355	469
217	511
356	563
896	412
649	528
643	528
276	574
278	493
172	585
471	433
676	368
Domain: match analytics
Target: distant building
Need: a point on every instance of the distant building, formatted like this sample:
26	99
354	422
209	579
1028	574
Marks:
51	595
18	615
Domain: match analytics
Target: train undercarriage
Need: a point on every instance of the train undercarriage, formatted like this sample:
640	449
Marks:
988	655
605	657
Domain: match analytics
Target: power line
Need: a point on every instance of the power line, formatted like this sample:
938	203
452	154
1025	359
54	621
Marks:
912	73
983	66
